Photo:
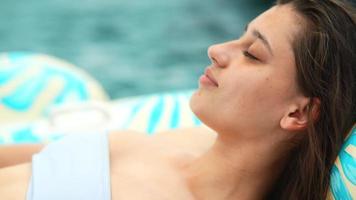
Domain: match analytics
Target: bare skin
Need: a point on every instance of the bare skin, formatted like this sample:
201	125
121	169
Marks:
137	174
131	166
14	181
17	154
253	105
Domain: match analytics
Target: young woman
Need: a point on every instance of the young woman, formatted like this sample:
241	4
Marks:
279	101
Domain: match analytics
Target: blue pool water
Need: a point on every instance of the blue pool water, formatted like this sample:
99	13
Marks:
131	47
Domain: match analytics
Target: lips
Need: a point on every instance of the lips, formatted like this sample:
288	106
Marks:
210	76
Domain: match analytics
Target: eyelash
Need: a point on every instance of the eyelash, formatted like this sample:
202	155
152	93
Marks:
247	54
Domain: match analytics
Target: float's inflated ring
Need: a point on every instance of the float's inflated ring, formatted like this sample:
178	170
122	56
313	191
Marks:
31	83
343	173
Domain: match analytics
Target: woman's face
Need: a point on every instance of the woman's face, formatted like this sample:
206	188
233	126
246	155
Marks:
255	77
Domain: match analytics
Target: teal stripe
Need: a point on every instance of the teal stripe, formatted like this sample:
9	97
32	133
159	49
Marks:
25	95
76	88
9	74
197	122
348	164
18	62
134	112
82	89
175	118
155	115
25	135
73	85
338	187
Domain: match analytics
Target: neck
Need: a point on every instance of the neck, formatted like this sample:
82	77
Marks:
235	170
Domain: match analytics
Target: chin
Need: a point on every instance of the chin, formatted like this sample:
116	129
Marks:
201	108
197	104
206	111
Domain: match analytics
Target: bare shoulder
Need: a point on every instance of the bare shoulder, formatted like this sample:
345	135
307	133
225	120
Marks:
192	132
191	140
196	138
137	158
120	141
18	153
14	181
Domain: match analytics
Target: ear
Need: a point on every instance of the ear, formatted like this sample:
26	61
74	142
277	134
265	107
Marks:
296	118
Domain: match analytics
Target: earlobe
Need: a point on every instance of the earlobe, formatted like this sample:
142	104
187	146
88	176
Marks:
296	119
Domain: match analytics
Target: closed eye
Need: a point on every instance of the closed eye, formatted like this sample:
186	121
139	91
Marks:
247	54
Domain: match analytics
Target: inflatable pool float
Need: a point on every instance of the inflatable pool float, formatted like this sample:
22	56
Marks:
43	98
30	84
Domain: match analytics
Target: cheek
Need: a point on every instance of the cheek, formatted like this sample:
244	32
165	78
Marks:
258	101
242	102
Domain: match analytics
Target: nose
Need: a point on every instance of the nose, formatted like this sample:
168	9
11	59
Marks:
218	55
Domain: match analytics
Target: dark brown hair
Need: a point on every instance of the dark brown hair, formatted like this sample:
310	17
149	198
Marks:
326	61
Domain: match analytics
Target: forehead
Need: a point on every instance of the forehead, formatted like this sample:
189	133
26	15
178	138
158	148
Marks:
280	25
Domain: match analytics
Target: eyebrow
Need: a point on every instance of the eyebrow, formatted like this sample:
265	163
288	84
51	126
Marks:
260	36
